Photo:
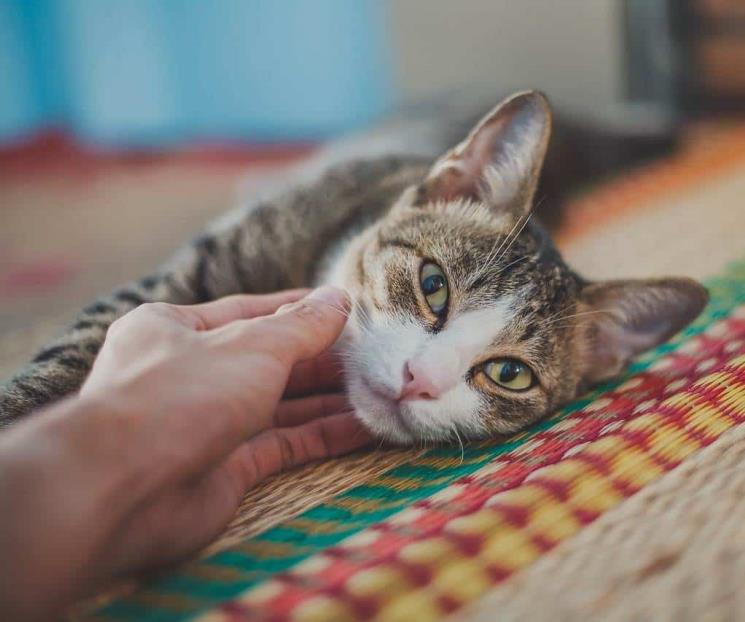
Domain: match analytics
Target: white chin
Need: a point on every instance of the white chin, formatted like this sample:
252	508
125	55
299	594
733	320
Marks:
380	416
387	430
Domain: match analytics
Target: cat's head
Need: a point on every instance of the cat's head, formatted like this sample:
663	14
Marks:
466	320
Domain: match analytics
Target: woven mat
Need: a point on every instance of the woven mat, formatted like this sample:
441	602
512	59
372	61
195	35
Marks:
675	551
644	471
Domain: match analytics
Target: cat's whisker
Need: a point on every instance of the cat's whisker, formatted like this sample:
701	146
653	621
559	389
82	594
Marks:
460	441
490	255
562	323
512	263
556	316
495	250
503	268
356	435
554	320
568	326
366	318
515	237
338	309
425	440
504	247
364	315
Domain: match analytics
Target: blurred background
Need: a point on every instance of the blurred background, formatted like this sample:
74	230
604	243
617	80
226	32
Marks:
125	125
134	73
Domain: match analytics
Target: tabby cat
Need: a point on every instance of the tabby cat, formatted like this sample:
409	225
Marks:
466	321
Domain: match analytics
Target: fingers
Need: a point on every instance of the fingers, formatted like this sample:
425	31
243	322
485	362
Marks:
284	448
320	374
301	330
291	413
210	315
186	518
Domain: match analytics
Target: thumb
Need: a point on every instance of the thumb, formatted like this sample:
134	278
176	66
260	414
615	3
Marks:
304	329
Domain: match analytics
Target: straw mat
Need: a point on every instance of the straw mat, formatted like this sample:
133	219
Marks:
623	505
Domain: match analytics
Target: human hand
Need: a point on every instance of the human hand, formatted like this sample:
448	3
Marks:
185	409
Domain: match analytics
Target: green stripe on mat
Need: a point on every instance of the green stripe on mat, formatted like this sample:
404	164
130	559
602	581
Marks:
202	584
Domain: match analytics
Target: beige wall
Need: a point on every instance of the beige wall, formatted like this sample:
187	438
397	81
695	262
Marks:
569	48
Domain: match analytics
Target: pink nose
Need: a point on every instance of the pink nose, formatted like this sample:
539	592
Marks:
418	385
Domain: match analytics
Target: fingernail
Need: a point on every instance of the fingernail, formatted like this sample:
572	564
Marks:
332	296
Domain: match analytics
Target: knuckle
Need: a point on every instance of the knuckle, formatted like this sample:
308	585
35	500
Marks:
286	451
255	467
146	311
156	308
147	319
325	441
306	312
120	325
116	325
242	305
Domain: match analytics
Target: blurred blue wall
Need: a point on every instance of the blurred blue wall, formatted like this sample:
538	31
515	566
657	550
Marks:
139	72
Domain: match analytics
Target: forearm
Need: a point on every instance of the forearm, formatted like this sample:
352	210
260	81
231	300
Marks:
63	485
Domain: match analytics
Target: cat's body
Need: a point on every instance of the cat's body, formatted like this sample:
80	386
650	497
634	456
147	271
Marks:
466	321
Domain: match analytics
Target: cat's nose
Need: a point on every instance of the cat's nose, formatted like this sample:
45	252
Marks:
418	384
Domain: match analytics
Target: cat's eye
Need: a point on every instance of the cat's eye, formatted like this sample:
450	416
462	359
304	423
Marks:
510	374
434	286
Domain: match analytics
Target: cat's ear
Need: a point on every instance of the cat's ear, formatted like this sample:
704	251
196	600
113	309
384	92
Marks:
500	161
625	318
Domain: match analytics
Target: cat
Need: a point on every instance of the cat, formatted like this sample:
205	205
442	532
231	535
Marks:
466	322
